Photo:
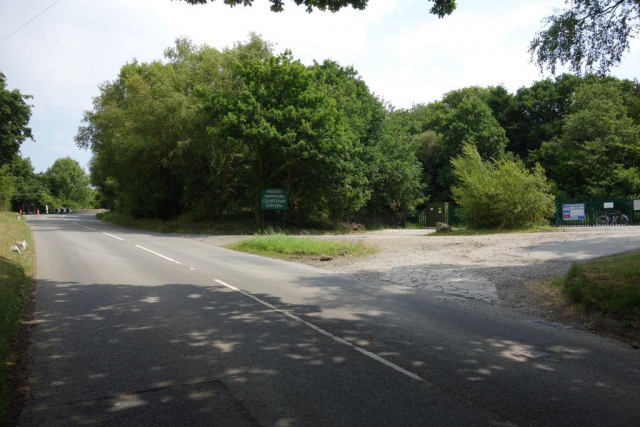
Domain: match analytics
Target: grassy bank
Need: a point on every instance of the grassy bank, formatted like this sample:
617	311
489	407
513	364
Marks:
281	246
462	231
610	286
16	278
244	227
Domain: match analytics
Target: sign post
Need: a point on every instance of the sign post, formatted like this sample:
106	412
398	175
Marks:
274	199
573	212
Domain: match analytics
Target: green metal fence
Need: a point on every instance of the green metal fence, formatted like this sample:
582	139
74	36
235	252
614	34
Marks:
586	212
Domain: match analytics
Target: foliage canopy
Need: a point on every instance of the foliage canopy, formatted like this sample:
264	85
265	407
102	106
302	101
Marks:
440	7
589	35
205	131
14	118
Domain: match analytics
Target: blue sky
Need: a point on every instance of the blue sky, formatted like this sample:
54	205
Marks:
405	54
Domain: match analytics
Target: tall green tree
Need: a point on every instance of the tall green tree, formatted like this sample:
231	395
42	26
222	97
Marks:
204	131
443	128
29	186
15	114
598	153
69	183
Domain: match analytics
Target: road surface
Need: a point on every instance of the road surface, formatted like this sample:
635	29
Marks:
138	328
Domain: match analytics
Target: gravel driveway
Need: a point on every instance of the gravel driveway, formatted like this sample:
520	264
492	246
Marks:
490	268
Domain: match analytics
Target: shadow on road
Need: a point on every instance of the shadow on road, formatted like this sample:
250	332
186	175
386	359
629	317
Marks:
123	354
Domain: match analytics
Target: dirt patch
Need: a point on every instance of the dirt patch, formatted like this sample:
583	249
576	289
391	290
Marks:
503	269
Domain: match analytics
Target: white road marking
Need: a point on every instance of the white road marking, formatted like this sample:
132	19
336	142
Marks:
89	228
328	334
160	255
111	235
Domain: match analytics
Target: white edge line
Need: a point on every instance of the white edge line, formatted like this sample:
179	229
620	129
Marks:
328	334
111	235
156	253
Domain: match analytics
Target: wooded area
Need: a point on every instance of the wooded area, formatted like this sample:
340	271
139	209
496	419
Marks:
204	130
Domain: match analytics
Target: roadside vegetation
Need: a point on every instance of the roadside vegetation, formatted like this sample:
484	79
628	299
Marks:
501	194
186	225
608	286
282	246
16	279
464	231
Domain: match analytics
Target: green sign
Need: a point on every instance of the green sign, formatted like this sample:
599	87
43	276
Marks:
274	199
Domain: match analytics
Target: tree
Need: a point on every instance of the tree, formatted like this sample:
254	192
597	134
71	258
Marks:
598	153
205	131
30	187
440	7
589	36
14	118
462	117
539	111
500	194
69	183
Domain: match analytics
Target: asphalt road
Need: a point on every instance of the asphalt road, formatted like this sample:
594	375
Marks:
138	328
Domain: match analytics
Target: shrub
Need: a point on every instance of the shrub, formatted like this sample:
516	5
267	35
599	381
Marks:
500	194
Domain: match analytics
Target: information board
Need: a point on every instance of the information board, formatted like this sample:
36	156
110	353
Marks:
274	199
573	212
636	205
608	205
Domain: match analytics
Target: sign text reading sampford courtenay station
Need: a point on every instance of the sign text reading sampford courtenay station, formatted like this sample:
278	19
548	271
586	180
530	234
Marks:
274	199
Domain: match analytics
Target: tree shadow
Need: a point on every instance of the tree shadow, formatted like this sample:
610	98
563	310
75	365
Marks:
183	353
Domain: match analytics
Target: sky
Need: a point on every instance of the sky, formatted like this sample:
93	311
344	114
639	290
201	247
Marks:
404	54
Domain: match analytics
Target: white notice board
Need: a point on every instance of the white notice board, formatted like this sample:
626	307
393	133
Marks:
636	205
573	212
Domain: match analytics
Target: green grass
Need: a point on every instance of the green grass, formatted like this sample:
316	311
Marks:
608	285
16	279
243	227
463	231
281	246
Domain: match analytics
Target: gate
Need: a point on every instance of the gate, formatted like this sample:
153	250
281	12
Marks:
585	213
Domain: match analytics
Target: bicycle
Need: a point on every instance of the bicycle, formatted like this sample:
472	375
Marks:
616	219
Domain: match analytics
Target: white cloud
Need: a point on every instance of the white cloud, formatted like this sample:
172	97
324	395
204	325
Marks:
462	50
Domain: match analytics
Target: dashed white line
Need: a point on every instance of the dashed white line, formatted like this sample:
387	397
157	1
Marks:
328	334
89	228
160	255
111	235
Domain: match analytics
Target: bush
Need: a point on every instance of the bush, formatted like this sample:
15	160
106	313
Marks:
501	194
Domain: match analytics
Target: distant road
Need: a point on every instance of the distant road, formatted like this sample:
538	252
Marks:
138	328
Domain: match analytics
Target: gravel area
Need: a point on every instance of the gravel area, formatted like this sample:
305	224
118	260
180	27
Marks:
491	268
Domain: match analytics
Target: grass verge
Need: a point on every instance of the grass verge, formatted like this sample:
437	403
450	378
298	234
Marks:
16	279
281	246
462	231
610	286
243	227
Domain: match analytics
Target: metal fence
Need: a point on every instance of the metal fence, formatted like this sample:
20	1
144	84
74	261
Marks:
585	213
